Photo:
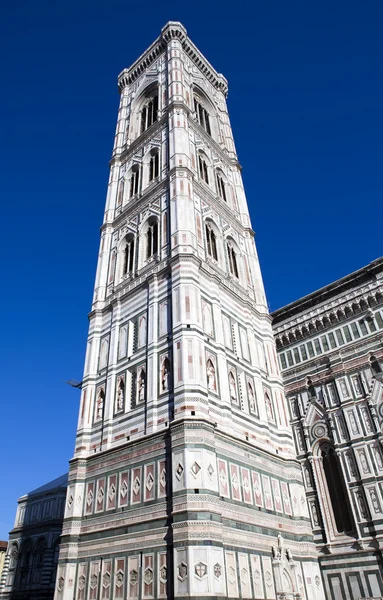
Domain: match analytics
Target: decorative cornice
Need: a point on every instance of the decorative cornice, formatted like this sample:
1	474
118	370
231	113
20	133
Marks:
356	303
173	30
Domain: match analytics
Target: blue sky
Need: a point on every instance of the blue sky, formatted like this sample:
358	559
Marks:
305	98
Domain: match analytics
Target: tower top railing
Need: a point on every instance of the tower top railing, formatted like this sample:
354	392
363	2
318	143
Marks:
172	30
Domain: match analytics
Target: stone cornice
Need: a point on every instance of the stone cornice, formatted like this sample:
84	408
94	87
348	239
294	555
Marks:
335	291
172	30
354	303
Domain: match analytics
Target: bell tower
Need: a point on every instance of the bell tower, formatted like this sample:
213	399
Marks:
184	481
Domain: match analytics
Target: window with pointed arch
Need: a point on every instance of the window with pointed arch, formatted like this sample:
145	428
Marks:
202	115
149	112
141	385
211	242
104	350
154	164
252	398
233	263
128	255
165	375
233	387
100	404
211	375
336	489
221	186
120	194
202	168
269	408
135	180
120	394
152	238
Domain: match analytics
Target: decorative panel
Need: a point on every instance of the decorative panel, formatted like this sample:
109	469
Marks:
267	492
123	495
257	488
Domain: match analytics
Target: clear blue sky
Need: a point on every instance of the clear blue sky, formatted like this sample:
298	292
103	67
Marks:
305	97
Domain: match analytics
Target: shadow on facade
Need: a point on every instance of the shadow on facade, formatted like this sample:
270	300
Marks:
33	549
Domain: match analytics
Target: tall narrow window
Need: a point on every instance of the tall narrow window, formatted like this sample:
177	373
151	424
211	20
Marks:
129	256
202	116
134	181
211	243
149	113
120	195
221	187
336	490
232	261
152	239
203	173
154	165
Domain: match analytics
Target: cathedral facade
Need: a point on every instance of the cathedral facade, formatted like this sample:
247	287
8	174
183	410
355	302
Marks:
184	481
331	357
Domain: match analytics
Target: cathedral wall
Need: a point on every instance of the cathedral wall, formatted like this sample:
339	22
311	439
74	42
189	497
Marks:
331	360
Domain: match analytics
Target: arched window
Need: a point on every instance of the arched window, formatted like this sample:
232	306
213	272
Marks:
120	396
120	194
202	167
100	404
149	113
211	375
233	388
26	554
336	490
135	181
152	239
252	398
141	385
211	242
202	116
41	548
232	260
154	165
269	408
128	266
165	374
103	353
221	187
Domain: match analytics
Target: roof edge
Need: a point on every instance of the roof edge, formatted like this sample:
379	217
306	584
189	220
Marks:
324	293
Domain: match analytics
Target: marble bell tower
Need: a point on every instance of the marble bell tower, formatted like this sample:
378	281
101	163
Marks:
184	481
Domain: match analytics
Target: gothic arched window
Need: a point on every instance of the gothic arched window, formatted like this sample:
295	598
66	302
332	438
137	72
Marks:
233	266
221	187
100	404
120	194
154	165
211	242
152	239
335	485
165	374
211	375
128	266
134	187
202	167
149	113
202	116
252	397
120	396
